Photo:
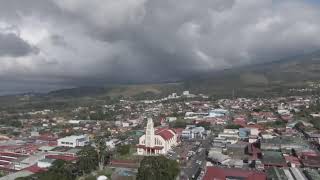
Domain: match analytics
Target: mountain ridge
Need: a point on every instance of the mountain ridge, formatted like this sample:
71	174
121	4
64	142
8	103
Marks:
270	78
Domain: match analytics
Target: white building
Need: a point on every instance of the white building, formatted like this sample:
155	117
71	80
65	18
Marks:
218	113
186	93
45	163
125	124
111	144
74	141
156	142
231	135
192	131
171	119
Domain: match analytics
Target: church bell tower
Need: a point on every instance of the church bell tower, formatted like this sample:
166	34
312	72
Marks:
150	133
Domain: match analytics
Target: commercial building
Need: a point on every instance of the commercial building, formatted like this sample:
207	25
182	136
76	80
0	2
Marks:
191	132
74	141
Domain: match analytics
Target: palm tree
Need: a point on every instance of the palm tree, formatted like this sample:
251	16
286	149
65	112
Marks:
101	149
87	159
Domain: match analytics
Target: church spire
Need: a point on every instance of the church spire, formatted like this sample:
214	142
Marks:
150	133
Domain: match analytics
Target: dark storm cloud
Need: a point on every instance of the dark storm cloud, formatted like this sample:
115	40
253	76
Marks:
12	45
84	42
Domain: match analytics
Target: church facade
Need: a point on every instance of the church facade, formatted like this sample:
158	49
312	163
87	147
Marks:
155	142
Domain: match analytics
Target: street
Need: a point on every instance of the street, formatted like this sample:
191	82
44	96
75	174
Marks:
197	162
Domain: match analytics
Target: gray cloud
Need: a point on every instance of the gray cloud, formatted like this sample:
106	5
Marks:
84	42
12	45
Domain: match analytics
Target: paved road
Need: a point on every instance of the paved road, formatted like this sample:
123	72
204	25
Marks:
192	167
313	145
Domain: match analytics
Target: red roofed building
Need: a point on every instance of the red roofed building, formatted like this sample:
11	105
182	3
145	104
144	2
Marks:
240	121
216	173
158	141
61	157
35	169
294	161
310	159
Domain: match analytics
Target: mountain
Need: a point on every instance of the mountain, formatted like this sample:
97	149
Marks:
267	79
138	90
273	78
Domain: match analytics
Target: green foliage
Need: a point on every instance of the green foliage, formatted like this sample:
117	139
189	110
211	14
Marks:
276	124
146	95
315	122
123	149
11	122
91	177
178	124
101	150
101	115
205	125
233	126
60	170
97	116
157	168
123	136
88	159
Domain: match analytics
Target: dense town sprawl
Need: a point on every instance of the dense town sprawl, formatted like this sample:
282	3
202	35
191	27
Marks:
238	138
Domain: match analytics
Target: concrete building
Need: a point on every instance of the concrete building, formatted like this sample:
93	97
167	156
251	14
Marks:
218	113
45	163
186	93
74	141
191	132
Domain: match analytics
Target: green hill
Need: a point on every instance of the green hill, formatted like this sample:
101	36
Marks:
274	78
268	79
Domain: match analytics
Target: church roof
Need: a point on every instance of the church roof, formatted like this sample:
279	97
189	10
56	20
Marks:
165	133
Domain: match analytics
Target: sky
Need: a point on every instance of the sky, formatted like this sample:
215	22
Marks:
52	44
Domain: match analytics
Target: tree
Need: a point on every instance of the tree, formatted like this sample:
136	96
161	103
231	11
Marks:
178	124
205	125
60	169
88	159
101	149
124	149
233	126
157	168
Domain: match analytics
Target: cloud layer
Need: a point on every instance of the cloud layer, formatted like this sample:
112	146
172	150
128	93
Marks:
47	44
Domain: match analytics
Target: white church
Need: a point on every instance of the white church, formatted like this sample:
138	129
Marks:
155	142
